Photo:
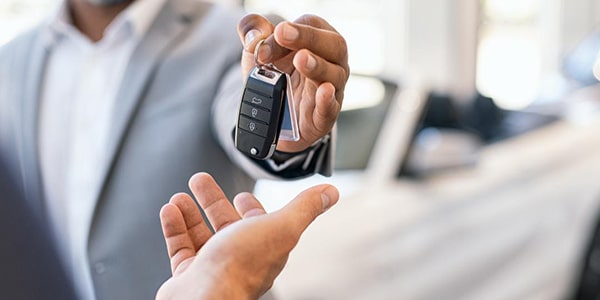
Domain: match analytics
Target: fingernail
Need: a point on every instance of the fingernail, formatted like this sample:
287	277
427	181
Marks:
251	36
264	53
290	33
328	196
311	62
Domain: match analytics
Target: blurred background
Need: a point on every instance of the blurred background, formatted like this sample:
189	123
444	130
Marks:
468	153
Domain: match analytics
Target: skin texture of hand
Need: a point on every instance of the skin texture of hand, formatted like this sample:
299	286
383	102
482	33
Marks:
248	249
316	57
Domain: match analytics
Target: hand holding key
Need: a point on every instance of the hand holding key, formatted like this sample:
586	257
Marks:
316	58
248	249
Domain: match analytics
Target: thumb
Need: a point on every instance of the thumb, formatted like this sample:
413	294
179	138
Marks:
251	29
307	206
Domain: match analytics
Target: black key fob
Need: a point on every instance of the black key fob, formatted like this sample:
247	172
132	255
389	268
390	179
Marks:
261	112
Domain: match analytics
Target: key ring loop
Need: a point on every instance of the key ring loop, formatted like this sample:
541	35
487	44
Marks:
256	53
269	66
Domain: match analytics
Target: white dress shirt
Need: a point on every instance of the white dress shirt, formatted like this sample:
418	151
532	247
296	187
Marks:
81	82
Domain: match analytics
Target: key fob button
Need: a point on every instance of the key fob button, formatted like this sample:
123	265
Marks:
258	100
253	144
253	126
255	113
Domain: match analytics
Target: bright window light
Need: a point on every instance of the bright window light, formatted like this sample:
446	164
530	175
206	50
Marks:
509	67
18	15
362	92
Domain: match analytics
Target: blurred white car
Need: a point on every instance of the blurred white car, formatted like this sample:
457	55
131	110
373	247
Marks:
513	225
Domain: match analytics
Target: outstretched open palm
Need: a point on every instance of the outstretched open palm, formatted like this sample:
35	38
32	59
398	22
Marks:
249	247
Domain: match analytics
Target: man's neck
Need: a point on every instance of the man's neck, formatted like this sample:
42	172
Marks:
92	20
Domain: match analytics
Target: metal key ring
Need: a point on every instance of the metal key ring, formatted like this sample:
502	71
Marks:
256	53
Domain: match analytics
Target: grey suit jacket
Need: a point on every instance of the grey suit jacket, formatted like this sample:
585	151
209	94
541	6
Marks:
30	266
175	113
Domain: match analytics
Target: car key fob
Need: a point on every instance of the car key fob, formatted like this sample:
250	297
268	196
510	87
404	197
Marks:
261	112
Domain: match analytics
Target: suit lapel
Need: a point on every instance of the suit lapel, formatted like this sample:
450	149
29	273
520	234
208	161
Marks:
169	25
29	142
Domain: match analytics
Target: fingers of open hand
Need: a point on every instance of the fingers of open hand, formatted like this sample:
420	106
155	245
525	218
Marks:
179	244
213	201
307	206
197	230
248	206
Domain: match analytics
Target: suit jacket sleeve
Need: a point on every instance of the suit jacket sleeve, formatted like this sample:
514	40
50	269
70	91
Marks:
316	159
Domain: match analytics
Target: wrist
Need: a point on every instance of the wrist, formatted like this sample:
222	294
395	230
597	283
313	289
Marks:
224	282
293	148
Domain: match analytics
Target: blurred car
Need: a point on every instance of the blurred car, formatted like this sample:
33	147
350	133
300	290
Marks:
505	220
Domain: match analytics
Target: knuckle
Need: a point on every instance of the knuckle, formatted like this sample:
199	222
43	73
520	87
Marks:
343	76
340	97
321	71
312	37
307	129
307	19
247	22
342	45
250	21
323	125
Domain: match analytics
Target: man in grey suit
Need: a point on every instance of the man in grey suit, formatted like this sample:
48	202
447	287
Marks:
109	106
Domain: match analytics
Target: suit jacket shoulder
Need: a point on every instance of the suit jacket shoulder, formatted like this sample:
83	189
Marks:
18	44
15	65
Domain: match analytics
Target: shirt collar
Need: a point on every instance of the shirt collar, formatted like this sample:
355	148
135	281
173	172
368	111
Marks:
139	16
142	14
